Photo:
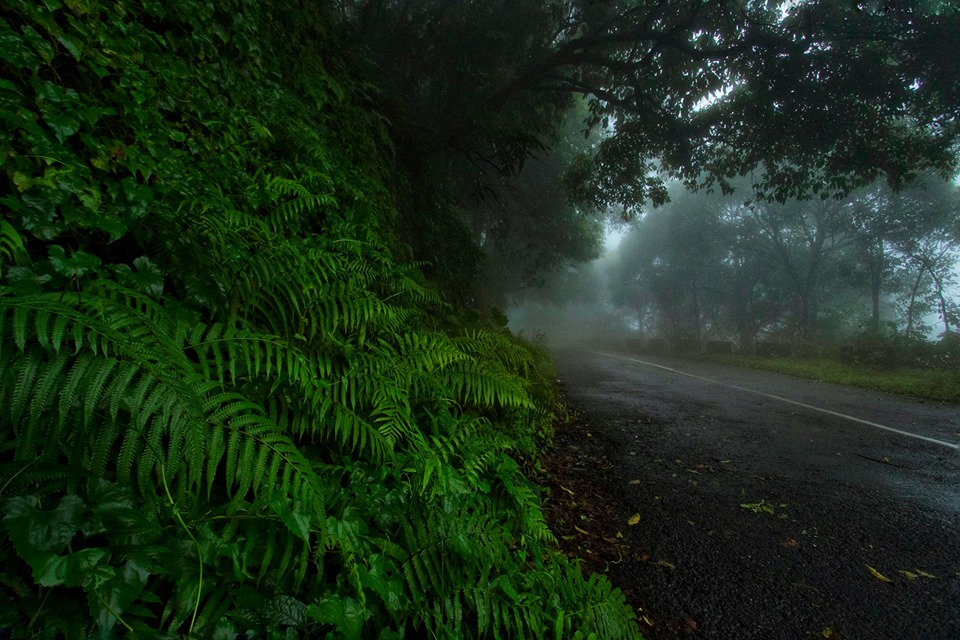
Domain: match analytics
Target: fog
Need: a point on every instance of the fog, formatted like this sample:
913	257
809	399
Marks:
708	269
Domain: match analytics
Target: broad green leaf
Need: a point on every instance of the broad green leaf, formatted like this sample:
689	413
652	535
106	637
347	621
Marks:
76	265
82	568
64	125
35	532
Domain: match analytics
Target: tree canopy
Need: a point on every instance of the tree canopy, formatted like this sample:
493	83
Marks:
807	97
801	98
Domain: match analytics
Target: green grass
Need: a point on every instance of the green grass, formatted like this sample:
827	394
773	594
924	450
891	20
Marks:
930	384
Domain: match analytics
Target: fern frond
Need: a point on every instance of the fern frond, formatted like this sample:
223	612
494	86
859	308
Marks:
11	244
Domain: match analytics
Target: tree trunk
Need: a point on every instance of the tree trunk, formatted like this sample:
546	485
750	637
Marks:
696	314
913	298
875	301
942	302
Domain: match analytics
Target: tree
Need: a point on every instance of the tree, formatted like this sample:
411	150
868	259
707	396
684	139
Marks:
817	95
908	227
672	269
814	96
927	242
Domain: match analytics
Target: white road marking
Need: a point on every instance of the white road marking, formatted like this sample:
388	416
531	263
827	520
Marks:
788	401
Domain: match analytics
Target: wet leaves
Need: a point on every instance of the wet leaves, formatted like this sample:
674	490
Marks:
916	574
879	576
758	507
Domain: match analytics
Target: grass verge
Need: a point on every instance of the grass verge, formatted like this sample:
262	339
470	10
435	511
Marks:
930	384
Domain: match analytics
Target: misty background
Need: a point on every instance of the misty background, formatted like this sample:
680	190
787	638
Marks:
709	267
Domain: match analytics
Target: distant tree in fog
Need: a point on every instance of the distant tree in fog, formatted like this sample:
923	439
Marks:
712	266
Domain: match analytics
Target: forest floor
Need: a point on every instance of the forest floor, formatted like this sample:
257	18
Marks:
722	515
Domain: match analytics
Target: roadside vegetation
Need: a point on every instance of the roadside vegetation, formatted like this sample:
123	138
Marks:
932	384
232	405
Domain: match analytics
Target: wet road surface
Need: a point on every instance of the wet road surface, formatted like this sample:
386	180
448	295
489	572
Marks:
836	481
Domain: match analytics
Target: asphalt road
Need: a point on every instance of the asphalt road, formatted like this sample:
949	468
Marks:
691	443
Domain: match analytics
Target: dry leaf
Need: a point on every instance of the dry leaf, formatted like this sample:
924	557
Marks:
648	620
925	574
666	565
634	519
567	490
634	482
581	530
790	544
909	575
879	576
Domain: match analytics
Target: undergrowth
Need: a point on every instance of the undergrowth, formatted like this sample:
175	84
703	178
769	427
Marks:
230	405
932	384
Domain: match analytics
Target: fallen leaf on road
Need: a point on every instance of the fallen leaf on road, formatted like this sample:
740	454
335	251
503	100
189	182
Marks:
790	544
634	482
879	576
634	519
827	632
911	576
666	565
619	535
925	574
581	530
757	507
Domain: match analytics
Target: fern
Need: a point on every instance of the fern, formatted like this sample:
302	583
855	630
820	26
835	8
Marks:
228	408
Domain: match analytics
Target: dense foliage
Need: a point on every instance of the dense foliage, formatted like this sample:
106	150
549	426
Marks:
803	96
231	406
